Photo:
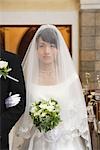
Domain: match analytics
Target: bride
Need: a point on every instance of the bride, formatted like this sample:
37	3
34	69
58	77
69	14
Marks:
49	72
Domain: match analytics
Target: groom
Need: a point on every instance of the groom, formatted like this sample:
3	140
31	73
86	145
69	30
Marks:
10	112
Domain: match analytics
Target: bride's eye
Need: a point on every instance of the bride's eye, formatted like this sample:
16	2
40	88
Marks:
53	45
41	45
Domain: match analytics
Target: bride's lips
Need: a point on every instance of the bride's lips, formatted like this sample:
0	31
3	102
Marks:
47	56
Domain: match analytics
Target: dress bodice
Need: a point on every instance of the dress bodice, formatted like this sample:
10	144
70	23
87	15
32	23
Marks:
59	92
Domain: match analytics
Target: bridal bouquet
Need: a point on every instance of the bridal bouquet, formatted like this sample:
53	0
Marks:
45	114
4	68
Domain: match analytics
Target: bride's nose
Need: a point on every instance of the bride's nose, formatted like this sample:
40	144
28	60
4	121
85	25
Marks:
47	49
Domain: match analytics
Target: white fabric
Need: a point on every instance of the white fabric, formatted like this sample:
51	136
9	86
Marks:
66	90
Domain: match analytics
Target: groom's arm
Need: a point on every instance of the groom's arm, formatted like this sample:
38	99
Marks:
11	116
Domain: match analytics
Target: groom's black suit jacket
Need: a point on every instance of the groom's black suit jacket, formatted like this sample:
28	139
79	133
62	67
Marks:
9	116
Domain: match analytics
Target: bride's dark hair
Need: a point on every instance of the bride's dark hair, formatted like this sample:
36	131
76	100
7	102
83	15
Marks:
48	35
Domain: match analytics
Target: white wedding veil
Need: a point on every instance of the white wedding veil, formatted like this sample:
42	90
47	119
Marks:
64	72
64	66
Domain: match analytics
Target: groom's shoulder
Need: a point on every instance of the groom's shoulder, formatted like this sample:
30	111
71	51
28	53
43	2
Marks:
10	56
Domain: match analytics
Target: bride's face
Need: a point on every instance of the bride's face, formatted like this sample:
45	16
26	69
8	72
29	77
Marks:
47	52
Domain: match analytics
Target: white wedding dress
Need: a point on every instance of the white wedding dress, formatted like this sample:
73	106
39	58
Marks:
50	63
66	136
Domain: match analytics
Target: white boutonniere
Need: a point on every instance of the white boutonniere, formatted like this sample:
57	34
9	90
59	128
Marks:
4	70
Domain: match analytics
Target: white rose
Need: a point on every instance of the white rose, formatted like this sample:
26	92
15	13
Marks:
32	110
43	106
37	113
43	114
3	64
51	103
50	108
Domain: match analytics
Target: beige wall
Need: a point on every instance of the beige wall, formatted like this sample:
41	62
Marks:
90	4
89	1
38	5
